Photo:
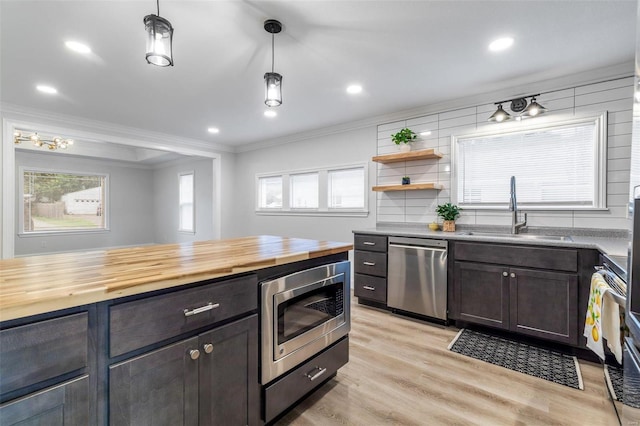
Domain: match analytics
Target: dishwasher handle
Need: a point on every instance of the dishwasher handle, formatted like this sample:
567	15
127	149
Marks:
418	243
417	247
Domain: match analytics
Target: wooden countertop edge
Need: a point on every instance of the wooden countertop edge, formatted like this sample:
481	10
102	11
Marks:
84	297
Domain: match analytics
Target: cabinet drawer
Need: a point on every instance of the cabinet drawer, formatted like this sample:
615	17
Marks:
143	322
370	263
370	242
526	256
43	350
283	393
370	287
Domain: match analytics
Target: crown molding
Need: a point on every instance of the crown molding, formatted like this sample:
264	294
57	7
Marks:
107	132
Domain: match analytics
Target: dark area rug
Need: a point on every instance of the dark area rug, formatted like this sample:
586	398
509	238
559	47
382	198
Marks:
614	378
538	362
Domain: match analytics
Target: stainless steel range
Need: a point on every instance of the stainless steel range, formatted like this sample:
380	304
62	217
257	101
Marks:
302	314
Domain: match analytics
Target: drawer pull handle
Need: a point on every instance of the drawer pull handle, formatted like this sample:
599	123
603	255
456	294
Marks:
208	348
368	287
319	373
194	354
368	243
369	263
201	309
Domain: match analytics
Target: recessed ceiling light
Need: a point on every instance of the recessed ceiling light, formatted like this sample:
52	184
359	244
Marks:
501	44
270	113
46	89
78	47
354	89
213	130
425	133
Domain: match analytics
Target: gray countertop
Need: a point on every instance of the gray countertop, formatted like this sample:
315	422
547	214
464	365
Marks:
613	243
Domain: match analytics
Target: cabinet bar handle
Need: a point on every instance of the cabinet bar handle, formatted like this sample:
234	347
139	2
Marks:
368	243
201	309
368	287
320	372
369	263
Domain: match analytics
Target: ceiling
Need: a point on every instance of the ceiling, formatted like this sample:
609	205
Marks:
405	54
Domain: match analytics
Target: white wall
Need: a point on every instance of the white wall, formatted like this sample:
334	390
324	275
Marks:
348	147
615	96
130	206
165	184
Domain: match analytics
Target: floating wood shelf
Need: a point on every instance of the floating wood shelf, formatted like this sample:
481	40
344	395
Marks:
407	156
410	187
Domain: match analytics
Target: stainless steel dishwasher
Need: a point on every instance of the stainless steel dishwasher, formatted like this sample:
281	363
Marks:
417	276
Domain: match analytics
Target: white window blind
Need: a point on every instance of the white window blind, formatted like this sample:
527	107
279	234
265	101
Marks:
304	191
186	202
346	189
556	167
270	192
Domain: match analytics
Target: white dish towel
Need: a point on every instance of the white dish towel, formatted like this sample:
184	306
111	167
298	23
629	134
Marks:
603	319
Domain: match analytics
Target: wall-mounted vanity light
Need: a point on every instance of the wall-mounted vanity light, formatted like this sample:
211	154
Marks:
518	105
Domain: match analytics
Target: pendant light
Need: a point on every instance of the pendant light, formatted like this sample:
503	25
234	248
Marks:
159	39
534	108
272	80
499	115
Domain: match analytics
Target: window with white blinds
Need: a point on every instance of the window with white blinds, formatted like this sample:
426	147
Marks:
558	166
325	191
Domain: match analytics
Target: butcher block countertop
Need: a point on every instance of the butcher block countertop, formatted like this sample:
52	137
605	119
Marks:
38	284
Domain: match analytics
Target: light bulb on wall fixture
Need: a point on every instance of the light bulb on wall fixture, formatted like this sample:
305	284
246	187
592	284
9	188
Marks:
534	108
159	39
500	115
272	80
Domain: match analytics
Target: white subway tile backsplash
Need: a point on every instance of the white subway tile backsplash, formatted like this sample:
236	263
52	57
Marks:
614	97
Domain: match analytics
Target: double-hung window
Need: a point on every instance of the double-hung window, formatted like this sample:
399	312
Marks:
186	195
558	166
325	191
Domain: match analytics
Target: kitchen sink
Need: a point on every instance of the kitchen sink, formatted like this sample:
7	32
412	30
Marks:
521	236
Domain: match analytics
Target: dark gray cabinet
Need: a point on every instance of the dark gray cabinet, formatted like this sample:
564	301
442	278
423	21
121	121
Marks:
208	379
528	290
370	268
64	405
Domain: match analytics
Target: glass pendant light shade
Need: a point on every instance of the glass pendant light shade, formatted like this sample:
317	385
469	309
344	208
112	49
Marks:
273	89
159	40
499	115
534	109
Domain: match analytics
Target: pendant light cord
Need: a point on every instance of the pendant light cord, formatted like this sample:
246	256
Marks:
272	51
158	4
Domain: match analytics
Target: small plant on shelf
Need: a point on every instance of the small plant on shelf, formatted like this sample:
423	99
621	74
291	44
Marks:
403	138
449	213
406	180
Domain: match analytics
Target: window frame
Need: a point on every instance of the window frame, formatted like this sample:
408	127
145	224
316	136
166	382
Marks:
323	193
599	163
105	210
193	203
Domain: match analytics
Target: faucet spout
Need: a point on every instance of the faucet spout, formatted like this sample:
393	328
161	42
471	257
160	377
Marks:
513	207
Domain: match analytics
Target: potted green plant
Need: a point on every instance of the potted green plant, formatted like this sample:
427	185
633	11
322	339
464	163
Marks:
403	139
449	213
406	180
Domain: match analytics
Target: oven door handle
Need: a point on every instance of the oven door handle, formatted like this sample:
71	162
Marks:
319	373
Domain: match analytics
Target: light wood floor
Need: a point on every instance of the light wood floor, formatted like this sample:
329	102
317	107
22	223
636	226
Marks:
400	372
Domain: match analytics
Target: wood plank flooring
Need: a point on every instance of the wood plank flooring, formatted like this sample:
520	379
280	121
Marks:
401	373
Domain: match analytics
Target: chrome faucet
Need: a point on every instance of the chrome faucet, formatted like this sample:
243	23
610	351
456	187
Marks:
513	207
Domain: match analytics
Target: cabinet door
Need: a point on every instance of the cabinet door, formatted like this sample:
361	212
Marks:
158	388
229	374
544	304
482	293
63	405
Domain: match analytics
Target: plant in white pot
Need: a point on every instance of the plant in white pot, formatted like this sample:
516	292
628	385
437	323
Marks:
449	213
404	138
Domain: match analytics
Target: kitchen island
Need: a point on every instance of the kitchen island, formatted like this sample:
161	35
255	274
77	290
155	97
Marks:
166	334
